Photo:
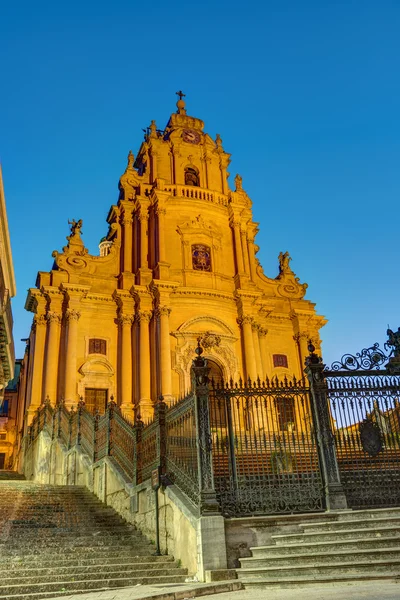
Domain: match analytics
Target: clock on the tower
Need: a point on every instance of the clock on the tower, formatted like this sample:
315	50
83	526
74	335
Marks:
191	136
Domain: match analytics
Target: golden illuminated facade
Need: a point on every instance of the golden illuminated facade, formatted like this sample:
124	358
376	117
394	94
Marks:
178	263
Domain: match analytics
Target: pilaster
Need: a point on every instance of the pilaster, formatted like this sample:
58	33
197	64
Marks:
54	318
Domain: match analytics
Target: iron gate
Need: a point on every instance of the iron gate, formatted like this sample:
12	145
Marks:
265	457
365	417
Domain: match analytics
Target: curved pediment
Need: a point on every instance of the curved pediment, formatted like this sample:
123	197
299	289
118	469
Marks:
205	323
97	366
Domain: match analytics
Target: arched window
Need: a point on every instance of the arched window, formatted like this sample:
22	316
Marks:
191	177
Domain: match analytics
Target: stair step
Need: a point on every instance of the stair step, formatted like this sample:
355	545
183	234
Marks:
351	523
324	546
295	581
344	534
10	591
27	569
388	567
344	557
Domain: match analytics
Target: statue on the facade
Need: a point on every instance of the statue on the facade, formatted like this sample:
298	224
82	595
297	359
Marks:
76	226
218	140
238	183
131	159
394	341
153	129
284	260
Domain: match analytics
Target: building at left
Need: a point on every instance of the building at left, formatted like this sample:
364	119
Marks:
7	354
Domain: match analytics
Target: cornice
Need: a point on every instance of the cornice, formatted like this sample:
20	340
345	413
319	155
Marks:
194	292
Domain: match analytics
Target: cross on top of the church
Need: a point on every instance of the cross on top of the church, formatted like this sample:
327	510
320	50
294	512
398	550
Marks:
180	94
181	103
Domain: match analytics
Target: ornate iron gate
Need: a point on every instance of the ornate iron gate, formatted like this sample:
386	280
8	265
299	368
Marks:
265	457
364	400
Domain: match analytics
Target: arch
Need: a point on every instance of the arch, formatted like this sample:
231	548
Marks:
192	176
97	374
211	319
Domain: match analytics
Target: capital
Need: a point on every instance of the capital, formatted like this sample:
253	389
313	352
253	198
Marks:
38	321
144	316
126	220
162	311
245	320
126	319
72	314
255	326
262	331
53	317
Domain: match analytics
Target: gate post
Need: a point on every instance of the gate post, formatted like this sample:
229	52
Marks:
208	497
334	493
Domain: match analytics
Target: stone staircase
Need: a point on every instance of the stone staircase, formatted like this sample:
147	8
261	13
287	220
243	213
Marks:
346	547
60	540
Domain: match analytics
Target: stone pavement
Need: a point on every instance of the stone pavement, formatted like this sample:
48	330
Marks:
376	590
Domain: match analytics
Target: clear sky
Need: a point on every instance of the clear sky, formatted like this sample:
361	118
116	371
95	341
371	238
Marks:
306	97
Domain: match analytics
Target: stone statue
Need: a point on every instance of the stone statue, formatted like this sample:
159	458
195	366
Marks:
238	183
218	140
394	341
284	260
153	129
75	226
131	159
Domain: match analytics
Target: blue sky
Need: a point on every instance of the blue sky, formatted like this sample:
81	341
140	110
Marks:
305	95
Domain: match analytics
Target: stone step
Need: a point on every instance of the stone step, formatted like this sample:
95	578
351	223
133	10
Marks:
372	513
325	546
344	534
387	567
294	582
344	557
10	592
71	547
75	553
31	567
155	570
348	524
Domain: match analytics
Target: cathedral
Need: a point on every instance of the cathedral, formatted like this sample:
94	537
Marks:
177	265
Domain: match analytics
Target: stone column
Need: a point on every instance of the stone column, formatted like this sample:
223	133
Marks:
238	247
70	394
262	333
245	252
249	355
145	404
163	313
257	352
161	212
52	356
143	219
252	260
127	227
125	322
39	332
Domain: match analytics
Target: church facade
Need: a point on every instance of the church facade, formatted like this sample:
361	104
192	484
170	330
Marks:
178	264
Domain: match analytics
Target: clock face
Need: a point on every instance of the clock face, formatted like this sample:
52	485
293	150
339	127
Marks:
191	136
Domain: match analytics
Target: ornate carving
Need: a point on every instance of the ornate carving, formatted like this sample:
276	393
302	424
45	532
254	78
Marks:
262	331
125	319
371	437
201	257
245	320
210	340
161	311
53	317
291	286
76	227
238	183
144	316
72	314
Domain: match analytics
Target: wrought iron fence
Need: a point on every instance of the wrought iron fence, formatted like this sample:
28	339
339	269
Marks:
87	432
265	456
147	451
365	409
123	444
101	435
181	447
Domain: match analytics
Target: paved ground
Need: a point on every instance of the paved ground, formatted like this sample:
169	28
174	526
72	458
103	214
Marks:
378	590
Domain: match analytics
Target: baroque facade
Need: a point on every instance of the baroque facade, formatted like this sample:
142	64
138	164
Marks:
178	263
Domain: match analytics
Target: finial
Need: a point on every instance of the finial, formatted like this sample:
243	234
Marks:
76	227
131	159
153	129
181	103
199	349
218	140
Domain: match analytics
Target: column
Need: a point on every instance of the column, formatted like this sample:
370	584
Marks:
255	327
125	322
245	252
39	334
262	333
163	313
238	247
70	394
127	226
249	354
52	356
143	218
252	260
302	343
161	212
145	404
